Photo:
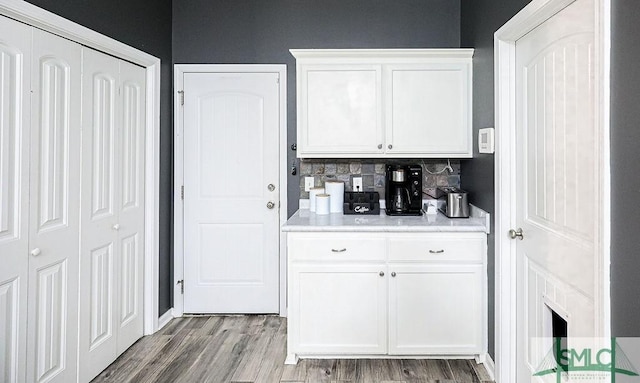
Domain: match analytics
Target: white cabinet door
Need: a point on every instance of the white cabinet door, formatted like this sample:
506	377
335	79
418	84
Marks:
112	210
436	309
428	109
340	110
54	209
15	47
338	309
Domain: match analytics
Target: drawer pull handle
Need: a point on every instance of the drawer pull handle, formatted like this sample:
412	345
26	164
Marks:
339	251
436	251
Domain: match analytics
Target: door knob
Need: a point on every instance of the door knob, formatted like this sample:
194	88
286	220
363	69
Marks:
35	252
271	187
270	205
513	234
116	227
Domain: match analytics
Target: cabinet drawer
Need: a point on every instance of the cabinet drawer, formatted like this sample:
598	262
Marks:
336	247
436	249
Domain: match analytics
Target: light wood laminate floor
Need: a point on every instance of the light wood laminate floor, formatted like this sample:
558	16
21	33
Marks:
252	349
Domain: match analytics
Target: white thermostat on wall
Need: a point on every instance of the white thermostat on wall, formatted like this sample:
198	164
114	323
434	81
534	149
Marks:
485	140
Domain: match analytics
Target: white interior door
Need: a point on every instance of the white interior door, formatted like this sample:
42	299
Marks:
231	236
112	210
54	209
15	92
557	182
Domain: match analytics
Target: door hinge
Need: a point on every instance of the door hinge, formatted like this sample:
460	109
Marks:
181	283
181	92
182	192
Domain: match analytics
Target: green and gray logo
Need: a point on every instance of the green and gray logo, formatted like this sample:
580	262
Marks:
585	363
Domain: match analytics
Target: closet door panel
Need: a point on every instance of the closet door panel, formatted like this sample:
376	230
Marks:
99	254
54	209
15	58
131	204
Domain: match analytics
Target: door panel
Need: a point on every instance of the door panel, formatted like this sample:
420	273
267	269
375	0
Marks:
15	87
101	291
557	181
54	221
51	321
99	247
231	131
130	205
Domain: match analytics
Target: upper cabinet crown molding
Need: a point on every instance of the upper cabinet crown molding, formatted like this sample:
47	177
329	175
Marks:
390	55
384	103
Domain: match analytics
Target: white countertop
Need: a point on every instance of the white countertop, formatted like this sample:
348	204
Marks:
304	220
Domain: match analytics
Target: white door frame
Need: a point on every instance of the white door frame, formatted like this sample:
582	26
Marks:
178	203
505	38
47	21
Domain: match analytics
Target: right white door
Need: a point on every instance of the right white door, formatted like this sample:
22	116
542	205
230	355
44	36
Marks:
231	229
557	182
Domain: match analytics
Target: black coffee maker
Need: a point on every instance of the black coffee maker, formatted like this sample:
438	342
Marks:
403	190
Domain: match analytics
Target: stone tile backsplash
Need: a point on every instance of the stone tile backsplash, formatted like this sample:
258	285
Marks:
373	173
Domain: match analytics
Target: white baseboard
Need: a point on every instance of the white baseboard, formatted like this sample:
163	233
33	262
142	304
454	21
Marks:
490	366
165	318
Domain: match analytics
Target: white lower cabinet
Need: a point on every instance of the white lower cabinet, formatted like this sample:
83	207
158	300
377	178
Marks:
413	294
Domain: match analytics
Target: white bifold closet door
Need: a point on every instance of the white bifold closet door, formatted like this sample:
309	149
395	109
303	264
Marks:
54	205
15	91
112	212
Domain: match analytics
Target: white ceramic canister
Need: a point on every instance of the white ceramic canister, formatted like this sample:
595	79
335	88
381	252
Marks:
322	204
336	190
313	192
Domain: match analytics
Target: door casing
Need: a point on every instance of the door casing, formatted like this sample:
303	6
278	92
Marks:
534	14
178	220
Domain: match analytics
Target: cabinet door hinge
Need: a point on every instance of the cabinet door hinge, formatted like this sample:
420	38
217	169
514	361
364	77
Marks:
181	92
181	283
182	192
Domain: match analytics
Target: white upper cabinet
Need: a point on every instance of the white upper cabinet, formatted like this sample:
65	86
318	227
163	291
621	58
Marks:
384	103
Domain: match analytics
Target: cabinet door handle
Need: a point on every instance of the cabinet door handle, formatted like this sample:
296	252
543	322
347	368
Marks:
393	274
436	251
35	252
381	273
390	146
340	250
116	227
379	146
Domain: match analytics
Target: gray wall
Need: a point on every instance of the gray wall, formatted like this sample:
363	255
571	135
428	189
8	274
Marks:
146	25
259	31
625	159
